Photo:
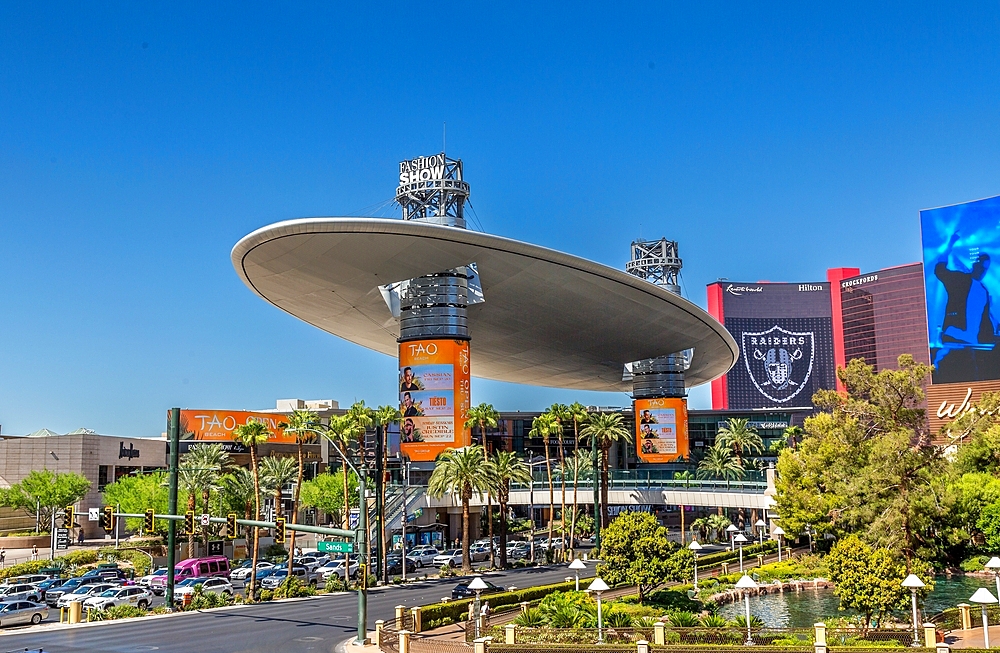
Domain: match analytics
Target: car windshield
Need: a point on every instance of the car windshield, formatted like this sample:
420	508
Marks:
452	552
160	572
188	582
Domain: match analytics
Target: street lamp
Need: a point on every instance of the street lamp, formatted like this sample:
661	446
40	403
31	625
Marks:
913	583
740	539
599	586
531	500
576	566
731	529
746	584
994	566
761	524
983	597
695	548
779	531
478	585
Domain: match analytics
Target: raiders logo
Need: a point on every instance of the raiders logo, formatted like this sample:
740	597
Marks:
779	361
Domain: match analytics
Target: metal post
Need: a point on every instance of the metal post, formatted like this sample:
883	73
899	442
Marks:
696	572
382	573
479	612
916	631
531	510
175	444
362	638
741	557
986	629
52	537
115	518
746	600
779	548
406	482
600	621
597	497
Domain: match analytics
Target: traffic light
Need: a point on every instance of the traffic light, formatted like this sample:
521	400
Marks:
231	525
189	522
279	530
150	521
108	519
363	576
68	518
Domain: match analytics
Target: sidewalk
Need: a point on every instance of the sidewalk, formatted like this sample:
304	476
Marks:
972	638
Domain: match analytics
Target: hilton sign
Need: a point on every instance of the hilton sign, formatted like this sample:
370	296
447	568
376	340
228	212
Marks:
949	401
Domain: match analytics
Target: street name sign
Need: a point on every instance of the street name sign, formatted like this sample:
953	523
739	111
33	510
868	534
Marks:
335	547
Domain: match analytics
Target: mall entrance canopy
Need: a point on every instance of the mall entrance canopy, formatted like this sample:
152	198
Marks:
548	319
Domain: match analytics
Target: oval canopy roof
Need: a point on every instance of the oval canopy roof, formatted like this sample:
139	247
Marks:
549	319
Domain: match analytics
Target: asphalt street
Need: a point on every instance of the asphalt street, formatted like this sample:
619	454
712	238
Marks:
315	624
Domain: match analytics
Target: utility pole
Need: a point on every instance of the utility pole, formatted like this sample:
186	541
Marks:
362	638
597	496
175	445
406	481
380	436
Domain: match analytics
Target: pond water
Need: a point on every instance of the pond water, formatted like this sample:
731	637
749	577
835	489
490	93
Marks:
803	609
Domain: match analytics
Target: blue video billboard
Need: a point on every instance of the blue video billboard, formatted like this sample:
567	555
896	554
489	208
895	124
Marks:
962	281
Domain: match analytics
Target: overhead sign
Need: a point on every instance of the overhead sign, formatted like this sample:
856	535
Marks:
422	168
661	429
434	397
218	425
335	547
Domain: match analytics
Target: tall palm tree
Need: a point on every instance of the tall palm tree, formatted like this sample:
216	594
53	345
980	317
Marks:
276	473
720	462
341	430
701	526
718	523
237	491
461	472
304	425
506	468
606	428
740	437
483	416
563	416
385	416
252	435
190	480
580	415
543	426
211	460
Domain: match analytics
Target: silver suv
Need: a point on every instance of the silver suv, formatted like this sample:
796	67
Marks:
20	592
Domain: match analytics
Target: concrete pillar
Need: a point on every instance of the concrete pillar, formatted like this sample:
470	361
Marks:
379	625
481	645
965	610
820	634
642	646
400	617
416	618
660	633
930	635
404	641
942	648
510	634
524	606
725	568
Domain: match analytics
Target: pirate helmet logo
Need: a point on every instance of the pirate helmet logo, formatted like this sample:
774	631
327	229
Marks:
779	361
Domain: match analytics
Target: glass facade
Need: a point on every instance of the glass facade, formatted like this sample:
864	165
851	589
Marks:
884	316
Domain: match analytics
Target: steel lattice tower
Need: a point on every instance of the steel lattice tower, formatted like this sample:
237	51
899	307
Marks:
431	189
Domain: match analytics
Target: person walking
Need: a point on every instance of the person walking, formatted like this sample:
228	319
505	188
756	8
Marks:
34	552
79	539
3	558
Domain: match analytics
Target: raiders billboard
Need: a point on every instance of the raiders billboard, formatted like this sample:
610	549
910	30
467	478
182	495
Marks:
785	334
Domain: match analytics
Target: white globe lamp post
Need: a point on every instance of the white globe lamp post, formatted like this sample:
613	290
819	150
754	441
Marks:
994	566
746	584
761	525
913	584
779	531
740	539
576	566
478	585
983	597
597	587
730	530
695	548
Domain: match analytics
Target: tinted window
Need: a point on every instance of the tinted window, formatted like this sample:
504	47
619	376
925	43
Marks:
213	567
203	568
224	565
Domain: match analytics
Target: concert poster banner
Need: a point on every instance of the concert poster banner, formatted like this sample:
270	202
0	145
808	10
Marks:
434	397
661	429
216	426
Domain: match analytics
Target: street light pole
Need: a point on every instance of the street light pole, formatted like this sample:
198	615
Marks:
913	583
740	539
761	525
779	531
730	531
983	597
746	584
994	566
597	587
695	548
576	566
477	585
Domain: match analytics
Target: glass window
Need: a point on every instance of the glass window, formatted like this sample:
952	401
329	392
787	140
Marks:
213	567
102	477
202	567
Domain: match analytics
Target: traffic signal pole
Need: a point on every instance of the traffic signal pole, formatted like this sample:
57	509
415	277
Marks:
362	538
175	445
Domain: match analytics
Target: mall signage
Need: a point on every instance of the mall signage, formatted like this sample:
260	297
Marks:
423	168
949	401
218	425
661	429
434	397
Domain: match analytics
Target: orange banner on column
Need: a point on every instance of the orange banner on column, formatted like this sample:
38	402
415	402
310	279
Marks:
433	397
661	429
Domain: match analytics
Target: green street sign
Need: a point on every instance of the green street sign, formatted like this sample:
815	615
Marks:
336	547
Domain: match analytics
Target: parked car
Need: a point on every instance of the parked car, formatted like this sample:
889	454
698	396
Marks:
15	613
462	590
208	586
83	593
394	565
243	571
479	552
192	568
312	562
143	581
115	596
107	575
275	579
20	592
53	593
47	584
451	557
336	567
423	555
26	579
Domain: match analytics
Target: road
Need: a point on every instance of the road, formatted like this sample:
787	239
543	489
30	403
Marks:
315	625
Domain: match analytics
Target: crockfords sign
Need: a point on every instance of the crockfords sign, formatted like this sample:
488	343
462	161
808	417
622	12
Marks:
859	281
423	168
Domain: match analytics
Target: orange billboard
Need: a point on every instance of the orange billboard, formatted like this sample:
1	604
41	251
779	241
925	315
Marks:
218	425
433	397
661	429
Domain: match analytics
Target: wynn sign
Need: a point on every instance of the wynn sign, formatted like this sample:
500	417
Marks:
949	401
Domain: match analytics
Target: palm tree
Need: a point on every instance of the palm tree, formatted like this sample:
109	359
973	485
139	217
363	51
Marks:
563	415
720	462
606	428
580	415
385	416
237	491
190	480
483	416
701	526
543	426
741	437
718	523
461	472
276	473
687	475
251	435
211	460
506	468
304	425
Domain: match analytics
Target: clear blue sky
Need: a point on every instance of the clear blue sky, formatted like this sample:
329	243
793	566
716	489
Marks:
139	142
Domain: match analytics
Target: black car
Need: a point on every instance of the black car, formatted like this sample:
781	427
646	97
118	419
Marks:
394	566
462	590
106	574
53	593
51	583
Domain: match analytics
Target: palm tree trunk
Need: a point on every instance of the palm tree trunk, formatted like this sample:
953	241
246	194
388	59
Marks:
256	517
562	479
489	500
295	510
605	464
347	518
552	496
503	526
683	541
205	495
576	479
466	559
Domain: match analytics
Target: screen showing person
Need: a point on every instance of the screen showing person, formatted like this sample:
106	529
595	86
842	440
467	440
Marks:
409	407
661	429
410	382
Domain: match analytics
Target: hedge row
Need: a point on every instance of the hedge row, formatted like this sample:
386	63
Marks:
729	556
443	613
72	559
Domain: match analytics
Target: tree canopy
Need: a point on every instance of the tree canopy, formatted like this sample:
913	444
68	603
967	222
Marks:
45	491
136	493
635	551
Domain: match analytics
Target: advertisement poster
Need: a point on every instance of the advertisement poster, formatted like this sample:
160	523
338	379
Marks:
962	283
433	397
661	429
218	425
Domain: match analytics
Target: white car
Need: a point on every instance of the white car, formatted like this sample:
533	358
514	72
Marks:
336	567
311	562
479	552
83	593
243	572
451	557
212	585
144	581
20	592
423	555
131	595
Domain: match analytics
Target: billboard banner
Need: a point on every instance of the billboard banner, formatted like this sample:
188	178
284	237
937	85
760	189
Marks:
433	397
661	429
218	425
962	285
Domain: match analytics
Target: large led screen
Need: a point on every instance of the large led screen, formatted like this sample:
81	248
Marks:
433	397
962	282
661	429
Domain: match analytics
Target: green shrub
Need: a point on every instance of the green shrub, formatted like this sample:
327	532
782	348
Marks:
645	622
266	595
24	534
136	559
713	559
674	599
714	621
449	613
683	619
293	588
334	584
531	618
975	563
116	612
276	551
618	619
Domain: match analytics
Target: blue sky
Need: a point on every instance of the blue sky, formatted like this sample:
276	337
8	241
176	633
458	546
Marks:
138	143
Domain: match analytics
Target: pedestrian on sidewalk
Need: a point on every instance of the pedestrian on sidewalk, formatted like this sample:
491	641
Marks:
3	557
79	539
34	552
